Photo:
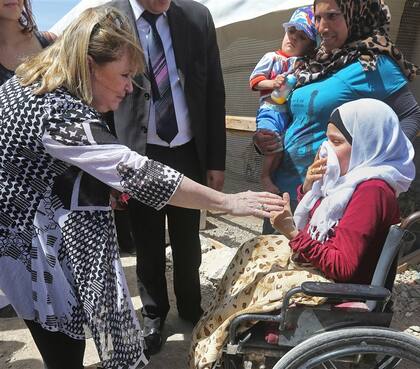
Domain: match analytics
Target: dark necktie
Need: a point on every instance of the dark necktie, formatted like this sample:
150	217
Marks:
166	125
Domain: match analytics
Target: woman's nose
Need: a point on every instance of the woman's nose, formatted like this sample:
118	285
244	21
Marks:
322	25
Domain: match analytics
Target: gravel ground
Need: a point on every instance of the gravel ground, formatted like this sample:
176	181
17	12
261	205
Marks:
17	350
406	296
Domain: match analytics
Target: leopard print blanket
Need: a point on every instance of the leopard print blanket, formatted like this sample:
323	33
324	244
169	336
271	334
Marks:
368	23
255	281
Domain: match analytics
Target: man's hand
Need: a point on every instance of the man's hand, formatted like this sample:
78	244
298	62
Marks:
215	179
118	200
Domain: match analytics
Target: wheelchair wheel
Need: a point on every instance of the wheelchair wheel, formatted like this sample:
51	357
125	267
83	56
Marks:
355	348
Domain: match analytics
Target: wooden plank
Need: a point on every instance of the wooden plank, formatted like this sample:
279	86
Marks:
238	123
407	260
246	124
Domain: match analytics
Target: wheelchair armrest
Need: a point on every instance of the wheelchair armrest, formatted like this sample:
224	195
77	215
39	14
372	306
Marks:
345	291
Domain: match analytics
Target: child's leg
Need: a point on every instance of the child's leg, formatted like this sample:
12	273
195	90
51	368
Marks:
272	120
270	162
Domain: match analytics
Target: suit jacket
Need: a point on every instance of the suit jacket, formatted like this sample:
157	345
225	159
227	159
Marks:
198	62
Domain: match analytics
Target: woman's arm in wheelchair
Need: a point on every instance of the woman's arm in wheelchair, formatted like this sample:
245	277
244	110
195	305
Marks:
352	251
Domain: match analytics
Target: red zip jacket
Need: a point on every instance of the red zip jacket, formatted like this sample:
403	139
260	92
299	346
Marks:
352	252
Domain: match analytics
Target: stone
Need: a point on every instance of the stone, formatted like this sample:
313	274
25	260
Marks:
215	262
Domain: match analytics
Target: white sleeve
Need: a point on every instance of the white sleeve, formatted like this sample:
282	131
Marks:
79	137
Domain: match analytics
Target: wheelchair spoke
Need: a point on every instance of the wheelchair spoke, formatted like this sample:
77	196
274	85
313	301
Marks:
354	348
388	362
329	365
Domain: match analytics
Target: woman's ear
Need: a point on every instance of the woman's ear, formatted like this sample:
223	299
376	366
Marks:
91	64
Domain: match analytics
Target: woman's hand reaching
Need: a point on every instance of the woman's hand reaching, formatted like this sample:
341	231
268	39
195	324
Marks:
259	204
283	220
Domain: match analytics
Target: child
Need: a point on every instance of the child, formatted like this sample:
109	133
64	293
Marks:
270	74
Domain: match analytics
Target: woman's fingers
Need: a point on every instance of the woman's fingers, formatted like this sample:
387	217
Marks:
318	167
262	204
269	196
262	214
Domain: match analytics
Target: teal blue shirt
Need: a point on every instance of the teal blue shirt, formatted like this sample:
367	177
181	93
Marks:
311	105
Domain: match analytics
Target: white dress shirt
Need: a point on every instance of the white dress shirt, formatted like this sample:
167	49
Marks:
181	111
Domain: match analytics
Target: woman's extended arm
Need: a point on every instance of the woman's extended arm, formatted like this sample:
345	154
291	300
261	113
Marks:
406	107
81	139
190	194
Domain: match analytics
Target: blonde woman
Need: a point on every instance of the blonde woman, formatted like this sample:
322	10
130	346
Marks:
59	264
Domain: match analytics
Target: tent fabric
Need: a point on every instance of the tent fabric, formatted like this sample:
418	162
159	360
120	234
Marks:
233	11
223	12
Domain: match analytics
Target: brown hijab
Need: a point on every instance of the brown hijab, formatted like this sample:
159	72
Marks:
368	23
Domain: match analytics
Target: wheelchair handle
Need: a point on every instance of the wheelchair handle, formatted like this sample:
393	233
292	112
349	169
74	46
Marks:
410	220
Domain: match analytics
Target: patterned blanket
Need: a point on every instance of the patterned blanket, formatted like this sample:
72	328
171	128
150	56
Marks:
255	281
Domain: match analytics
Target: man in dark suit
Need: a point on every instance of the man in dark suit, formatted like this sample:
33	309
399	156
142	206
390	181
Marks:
176	116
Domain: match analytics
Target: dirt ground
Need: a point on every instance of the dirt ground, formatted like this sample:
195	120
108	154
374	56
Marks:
17	350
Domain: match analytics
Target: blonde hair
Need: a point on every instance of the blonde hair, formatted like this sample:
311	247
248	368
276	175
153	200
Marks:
102	33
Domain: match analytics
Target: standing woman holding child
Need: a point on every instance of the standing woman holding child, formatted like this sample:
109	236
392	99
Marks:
356	59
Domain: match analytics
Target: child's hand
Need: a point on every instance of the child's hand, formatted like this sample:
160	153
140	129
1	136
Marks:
278	81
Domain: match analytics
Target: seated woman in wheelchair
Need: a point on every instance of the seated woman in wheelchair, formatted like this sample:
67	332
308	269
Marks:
347	204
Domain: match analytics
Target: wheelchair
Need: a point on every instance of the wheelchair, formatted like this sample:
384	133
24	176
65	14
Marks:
349	331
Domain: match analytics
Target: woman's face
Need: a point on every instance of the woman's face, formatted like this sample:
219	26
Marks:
341	147
111	82
330	24
11	9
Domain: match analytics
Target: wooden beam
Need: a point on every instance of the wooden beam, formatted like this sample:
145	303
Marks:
411	259
237	123
247	124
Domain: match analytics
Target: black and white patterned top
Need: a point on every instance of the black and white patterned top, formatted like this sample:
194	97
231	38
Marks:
59	261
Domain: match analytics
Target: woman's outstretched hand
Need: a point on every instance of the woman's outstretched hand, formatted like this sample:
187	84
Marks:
315	172
259	204
283	219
